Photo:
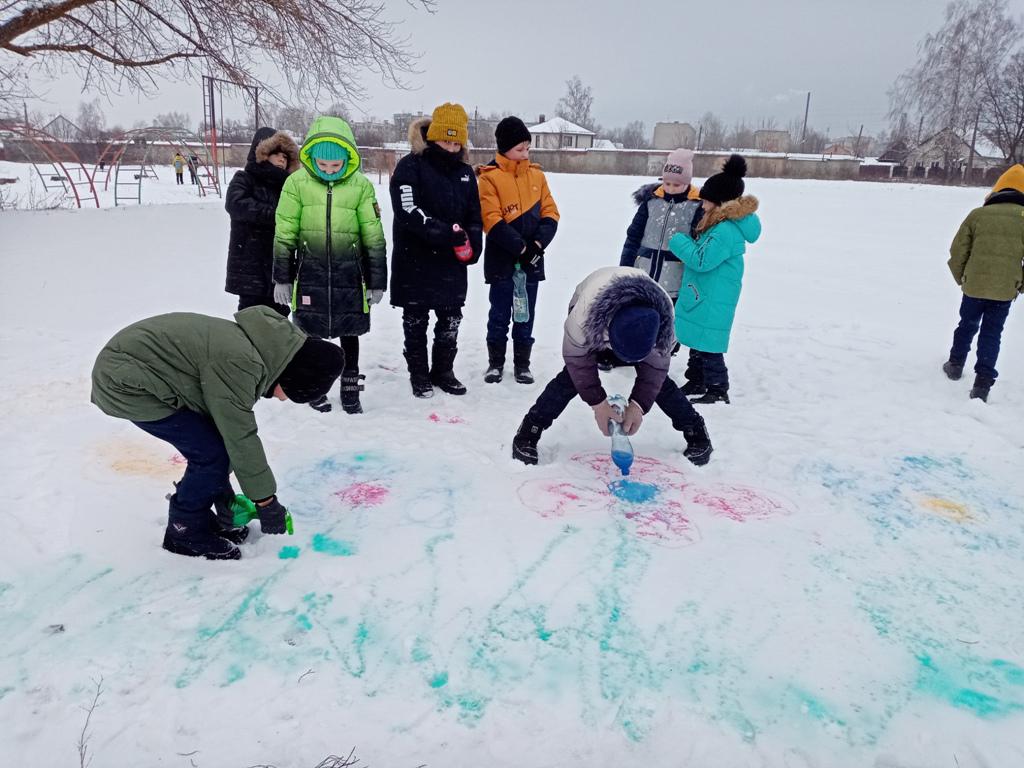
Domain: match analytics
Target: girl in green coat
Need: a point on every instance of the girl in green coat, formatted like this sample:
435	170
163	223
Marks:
712	279
330	262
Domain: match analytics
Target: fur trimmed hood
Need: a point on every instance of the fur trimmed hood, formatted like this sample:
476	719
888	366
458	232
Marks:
279	142
418	138
646	192
734	210
625	290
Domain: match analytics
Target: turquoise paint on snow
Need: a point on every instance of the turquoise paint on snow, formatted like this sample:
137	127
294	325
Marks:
633	491
325	545
419	652
439	680
288	553
235	673
303	621
961	686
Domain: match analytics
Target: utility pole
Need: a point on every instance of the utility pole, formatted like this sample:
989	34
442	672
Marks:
807	111
856	149
970	156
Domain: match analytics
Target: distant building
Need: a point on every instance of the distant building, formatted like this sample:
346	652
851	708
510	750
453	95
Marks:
771	141
63	129
559	133
674	135
402	121
948	152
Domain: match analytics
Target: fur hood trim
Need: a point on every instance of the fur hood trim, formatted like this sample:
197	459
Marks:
418	138
646	192
279	142
624	291
734	210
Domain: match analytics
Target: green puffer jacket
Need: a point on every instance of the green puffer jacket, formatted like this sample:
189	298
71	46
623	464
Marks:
329	241
988	251
168	363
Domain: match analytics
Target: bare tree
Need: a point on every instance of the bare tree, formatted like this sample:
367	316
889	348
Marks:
741	136
293	118
576	104
115	44
943	92
632	136
91	121
1002	118
173	120
712	132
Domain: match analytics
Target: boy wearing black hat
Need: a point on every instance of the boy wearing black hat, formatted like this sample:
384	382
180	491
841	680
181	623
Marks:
712	279
622	312
192	380
520	220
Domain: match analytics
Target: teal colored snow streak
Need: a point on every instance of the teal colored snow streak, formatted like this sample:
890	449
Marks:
303	621
288	553
814	708
419	652
5	690
471	708
1003	680
439	680
431	546
335	547
633	492
235	673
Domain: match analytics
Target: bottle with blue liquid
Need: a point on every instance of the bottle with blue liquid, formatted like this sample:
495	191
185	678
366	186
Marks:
622	449
520	298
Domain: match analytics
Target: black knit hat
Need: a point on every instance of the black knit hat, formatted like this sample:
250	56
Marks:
510	132
727	185
312	371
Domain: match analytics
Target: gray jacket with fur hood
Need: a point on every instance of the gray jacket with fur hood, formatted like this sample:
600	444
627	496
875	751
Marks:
594	303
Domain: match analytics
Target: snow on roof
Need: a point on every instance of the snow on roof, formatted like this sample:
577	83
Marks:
559	125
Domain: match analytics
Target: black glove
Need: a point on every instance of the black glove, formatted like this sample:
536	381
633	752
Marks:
459	237
534	253
272	517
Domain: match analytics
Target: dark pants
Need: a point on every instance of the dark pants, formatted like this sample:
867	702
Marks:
991	316
415	321
192	176
501	314
350	346
247	300
206	474
707	368
178	174
560	391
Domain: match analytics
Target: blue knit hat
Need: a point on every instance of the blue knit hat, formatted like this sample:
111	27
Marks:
329	151
633	332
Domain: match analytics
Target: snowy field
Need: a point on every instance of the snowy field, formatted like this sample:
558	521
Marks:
840	587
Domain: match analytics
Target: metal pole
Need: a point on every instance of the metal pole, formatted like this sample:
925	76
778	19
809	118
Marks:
807	111
856	150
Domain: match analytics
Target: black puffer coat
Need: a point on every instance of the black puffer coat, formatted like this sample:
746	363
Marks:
431	190
251	201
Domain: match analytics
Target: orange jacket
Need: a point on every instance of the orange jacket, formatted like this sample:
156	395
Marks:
517	210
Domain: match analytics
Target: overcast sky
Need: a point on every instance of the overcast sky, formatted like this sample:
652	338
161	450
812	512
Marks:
646	60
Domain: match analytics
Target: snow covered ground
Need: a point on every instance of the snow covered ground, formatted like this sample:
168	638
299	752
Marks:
840	586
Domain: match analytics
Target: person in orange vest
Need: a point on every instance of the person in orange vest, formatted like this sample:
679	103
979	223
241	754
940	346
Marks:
520	220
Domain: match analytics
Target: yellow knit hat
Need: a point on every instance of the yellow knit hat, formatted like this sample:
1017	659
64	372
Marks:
449	123
1012	179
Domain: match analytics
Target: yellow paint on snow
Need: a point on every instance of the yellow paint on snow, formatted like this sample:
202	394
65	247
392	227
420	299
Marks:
141	459
951	510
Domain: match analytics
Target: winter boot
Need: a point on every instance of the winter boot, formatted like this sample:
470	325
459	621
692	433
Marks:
419	371
350	389
191	533
524	444
321	404
441	374
691	388
698	443
521	362
224	522
712	395
953	370
982	384
495	363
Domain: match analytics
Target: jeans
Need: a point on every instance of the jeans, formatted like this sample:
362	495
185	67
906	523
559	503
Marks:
561	390
197	439
707	368
991	316
247	300
500	314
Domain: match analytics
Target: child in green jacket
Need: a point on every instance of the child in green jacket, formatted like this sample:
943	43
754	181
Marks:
330	263
986	260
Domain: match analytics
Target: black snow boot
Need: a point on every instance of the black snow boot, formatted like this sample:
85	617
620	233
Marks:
419	370
698	443
982	384
495	363
442	374
691	388
321	404
953	370
350	389
521	362
191	533
712	395
524	444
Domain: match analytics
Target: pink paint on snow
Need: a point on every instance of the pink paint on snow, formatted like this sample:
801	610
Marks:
363	495
450	419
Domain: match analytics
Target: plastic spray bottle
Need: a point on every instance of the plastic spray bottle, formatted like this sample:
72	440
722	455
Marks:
520	299
244	510
622	449
464	252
